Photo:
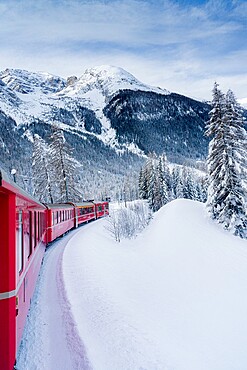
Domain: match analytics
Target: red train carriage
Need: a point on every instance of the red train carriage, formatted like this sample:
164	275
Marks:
101	209
25	227
84	212
60	219
22	238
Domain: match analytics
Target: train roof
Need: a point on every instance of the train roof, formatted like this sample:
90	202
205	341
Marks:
84	204
59	205
12	187
100	201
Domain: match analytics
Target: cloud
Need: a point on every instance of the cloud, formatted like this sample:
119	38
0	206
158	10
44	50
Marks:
164	43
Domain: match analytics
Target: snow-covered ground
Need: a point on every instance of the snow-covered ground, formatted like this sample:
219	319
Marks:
173	298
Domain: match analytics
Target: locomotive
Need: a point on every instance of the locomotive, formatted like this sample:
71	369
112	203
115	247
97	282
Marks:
26	228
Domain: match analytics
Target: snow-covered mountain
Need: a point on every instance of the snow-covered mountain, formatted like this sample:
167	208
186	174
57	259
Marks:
37	94
109	117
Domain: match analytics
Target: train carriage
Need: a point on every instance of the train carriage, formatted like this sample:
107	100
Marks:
84	212
26	226
101	209
60	219
22	239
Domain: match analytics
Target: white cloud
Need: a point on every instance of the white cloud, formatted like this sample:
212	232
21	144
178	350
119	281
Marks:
184	49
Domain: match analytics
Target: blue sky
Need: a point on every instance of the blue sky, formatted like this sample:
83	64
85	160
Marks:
183	46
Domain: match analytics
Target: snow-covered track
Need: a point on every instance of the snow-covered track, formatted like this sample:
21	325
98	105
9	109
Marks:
50	339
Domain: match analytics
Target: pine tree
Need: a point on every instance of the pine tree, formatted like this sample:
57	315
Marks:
41	171
143	183
189	191
64	167
226	163
151	186
216	148
165	176
158	186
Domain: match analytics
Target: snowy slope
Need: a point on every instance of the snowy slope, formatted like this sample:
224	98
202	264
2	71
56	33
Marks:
28	96
174	298
109	80
37	94
99	84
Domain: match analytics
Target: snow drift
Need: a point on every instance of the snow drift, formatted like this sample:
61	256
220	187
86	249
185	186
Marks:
174	298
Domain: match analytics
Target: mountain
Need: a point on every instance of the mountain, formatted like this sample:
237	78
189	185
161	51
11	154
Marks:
111	119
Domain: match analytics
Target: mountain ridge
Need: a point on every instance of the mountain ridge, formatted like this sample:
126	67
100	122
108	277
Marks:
110	118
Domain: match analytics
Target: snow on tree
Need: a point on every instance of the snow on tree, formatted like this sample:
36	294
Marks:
227	163
165	178
151	181
41	169
189	191
143	184
64	168
159	185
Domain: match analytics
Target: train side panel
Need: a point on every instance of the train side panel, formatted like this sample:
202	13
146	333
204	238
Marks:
22	241
7	281
102	209
30	248
85	213
60	219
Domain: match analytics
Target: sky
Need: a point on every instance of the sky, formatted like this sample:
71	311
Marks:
183	46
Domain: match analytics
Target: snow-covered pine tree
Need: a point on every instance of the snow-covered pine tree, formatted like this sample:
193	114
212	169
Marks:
176	183
157	187
201	189
65	169
150	173
189	191
144	178
226	160
143	191
164	179
41	171
214	128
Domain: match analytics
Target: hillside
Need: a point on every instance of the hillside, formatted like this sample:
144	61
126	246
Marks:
110	119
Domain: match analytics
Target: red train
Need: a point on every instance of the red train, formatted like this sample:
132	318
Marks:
26	227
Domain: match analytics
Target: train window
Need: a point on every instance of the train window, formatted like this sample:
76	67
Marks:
38	228
41	224
30	234
35	229
19	241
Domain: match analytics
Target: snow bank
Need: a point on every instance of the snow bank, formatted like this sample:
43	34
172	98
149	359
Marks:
174	298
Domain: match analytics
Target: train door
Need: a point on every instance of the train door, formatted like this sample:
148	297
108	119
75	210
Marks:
76	216
19	242
7	280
